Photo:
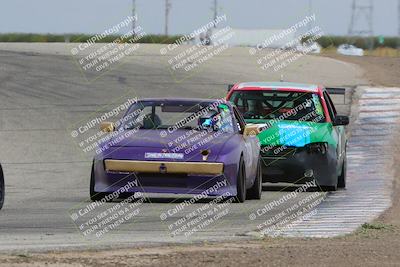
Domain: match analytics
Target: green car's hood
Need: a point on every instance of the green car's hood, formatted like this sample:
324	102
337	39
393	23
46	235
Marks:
294	133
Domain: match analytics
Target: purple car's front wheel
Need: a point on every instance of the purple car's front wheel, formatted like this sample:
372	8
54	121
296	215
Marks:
241	182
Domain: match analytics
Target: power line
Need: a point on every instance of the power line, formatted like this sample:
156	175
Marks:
362	9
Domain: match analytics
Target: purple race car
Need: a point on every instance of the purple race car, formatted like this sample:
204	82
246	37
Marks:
180	146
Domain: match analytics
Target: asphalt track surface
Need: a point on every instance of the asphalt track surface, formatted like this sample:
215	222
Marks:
44	95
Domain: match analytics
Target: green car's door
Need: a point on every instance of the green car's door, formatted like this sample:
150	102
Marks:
338	131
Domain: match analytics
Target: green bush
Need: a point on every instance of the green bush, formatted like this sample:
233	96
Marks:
75	38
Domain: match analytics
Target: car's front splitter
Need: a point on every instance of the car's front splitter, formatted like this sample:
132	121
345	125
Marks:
302	166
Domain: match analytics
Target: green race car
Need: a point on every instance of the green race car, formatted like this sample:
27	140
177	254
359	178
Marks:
302	137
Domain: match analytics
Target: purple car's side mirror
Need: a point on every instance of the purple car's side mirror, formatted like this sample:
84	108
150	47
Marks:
107	127
251	130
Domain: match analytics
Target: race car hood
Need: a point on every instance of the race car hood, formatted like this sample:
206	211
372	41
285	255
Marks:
188	145
294	133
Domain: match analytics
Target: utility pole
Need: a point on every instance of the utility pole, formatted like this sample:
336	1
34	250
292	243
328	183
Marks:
362	9
310	10
215	9
167	9
134	17
398	34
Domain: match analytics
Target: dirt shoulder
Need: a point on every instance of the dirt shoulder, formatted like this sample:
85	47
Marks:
383	71
374	244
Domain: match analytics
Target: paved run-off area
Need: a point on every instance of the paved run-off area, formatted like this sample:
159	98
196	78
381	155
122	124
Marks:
43	93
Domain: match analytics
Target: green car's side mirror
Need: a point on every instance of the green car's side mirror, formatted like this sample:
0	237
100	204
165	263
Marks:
341	120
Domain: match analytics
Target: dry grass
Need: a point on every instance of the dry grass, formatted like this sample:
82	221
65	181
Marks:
379	52
383	52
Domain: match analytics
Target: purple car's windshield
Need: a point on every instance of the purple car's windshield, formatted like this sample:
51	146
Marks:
154	116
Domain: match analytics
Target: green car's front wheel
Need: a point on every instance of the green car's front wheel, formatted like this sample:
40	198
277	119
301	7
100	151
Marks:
342	176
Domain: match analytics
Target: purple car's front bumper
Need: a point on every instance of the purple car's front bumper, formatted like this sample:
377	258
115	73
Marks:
214	179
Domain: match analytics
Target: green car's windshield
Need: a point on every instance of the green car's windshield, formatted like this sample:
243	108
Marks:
287	105
154	115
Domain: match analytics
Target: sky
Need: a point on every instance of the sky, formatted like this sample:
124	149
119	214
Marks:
95	16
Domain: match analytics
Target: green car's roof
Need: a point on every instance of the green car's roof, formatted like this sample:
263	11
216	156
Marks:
278	85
